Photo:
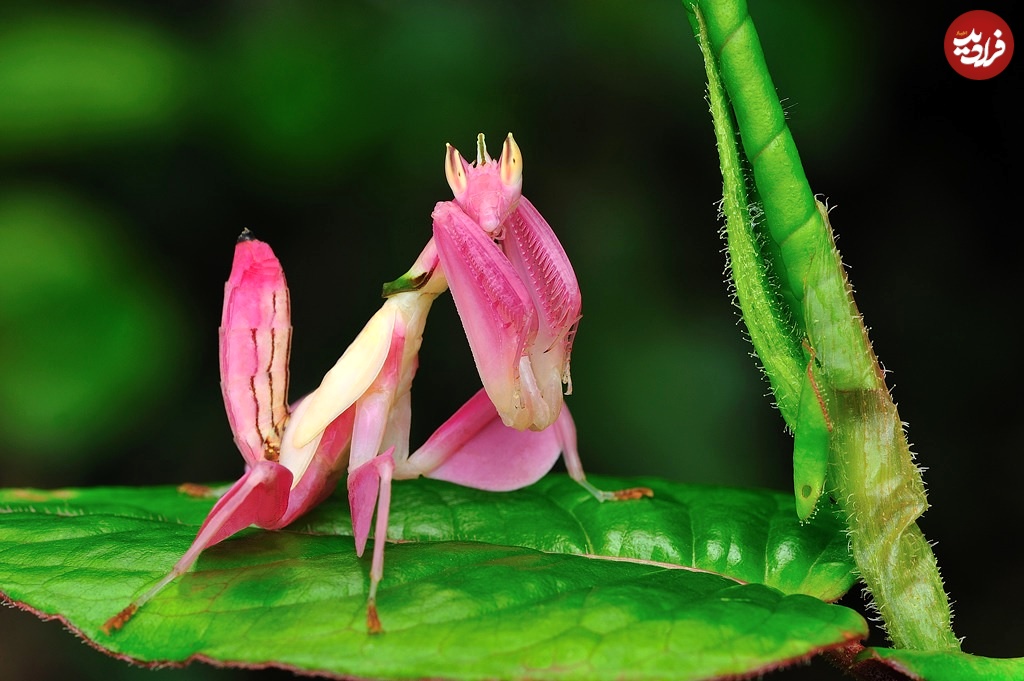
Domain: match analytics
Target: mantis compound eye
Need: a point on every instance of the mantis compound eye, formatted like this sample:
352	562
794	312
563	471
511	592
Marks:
511	163
455	171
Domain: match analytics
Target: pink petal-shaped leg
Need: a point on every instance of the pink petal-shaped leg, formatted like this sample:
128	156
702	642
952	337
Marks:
363	488
495	307
371	421
565	431
258	498
385	467
475	449
370	486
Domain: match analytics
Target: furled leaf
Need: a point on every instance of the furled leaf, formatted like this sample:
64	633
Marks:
480	585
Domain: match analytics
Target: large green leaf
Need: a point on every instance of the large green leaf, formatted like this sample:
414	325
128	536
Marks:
483	585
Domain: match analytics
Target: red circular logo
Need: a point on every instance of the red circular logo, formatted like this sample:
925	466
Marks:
978	45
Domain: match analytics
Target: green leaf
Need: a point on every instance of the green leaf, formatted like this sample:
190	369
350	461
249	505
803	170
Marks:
944	665
481	585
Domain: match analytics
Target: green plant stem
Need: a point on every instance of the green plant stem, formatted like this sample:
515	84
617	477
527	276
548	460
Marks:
872	474
878	486
772	333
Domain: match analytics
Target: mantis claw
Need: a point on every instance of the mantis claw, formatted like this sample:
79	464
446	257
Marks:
632	493
373	625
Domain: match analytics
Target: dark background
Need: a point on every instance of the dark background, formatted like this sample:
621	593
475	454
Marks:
137	141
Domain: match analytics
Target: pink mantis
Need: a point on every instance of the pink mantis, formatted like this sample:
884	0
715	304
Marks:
519	302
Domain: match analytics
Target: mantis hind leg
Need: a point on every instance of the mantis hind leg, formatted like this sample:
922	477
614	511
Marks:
260	497
565	431
371	483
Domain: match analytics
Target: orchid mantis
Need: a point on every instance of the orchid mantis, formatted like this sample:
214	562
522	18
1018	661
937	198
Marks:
519	302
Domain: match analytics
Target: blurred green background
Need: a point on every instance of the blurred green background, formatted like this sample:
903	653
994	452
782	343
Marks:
136	142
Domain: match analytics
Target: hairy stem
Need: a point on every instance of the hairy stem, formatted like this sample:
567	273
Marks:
792	288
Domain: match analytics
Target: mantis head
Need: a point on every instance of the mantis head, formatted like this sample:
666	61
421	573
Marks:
487	190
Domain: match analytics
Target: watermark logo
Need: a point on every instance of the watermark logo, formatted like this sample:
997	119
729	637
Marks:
978	45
